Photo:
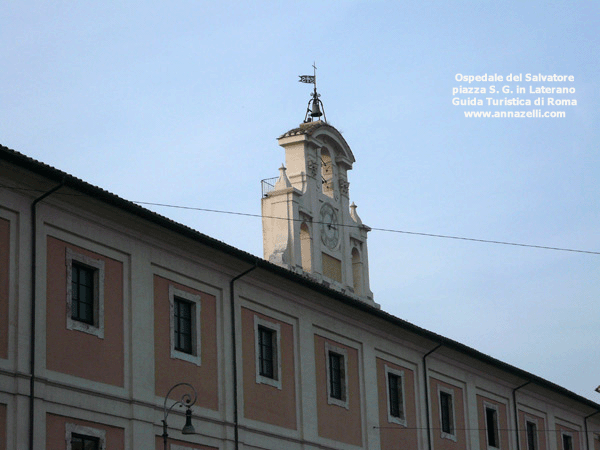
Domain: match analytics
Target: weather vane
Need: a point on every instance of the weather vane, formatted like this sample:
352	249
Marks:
314	104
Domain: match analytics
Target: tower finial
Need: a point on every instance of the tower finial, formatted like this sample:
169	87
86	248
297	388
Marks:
314	104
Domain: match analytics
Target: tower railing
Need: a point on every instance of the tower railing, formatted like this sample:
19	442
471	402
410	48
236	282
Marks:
268	185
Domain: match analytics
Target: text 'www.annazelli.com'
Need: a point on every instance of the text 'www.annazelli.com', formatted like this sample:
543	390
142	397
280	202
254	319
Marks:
533	114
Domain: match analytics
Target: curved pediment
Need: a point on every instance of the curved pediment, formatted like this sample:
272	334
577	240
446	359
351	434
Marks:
322	134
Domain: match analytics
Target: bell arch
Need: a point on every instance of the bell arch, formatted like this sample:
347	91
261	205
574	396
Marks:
305	248
327	172
357	272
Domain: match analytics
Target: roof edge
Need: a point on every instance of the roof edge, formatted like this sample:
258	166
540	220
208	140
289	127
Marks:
72	182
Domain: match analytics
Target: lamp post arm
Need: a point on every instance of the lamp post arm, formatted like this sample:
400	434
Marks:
186	400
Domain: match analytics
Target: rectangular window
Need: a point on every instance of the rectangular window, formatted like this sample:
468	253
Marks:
336	362
447	413
81	442
85	293
266	353
395	396
83	437
567	441
395	391
82	293
491	425
531	436
183	325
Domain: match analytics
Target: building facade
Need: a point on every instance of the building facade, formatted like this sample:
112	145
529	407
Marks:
105	306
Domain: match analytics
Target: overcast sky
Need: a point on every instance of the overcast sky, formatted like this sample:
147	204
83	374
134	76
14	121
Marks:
181	103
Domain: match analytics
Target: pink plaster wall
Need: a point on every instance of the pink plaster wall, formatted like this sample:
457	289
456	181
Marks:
56	432
574	433
263	402
541	428
459	417
394	435
4	268
502	422
75	352
2	427
336	422
169	371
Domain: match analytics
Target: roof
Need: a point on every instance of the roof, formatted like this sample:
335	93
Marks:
58	176
324	129
308	128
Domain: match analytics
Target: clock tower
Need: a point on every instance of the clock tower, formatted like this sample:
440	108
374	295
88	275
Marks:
309	225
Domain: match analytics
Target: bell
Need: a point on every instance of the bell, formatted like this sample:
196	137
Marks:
188	428
316	111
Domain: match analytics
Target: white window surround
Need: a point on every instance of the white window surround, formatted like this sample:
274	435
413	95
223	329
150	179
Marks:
275	382
344	353
195	356
97	328
400	374
451	436
486	406
562	439
534	421
71	428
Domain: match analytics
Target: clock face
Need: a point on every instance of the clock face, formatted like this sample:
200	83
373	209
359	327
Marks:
329	226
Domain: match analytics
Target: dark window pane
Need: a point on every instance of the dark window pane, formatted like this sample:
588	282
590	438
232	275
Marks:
531	436
82	293
567	442
394	394
81	442
86	294
84	312
87	278
266	351
183	325
76	443
446	410
335	375
91	445
491	417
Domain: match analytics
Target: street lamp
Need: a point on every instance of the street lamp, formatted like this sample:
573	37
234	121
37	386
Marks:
187	401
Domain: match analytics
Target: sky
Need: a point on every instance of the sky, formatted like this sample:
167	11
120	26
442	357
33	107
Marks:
181	103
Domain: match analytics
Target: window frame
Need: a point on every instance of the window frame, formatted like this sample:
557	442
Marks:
86	439
533	422
275	328
96	265
569	435
401	419
79	300
451	433
84	431
343	354
181	309
195	302
496	411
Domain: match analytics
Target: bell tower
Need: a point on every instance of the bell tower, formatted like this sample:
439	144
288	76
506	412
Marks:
309	225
